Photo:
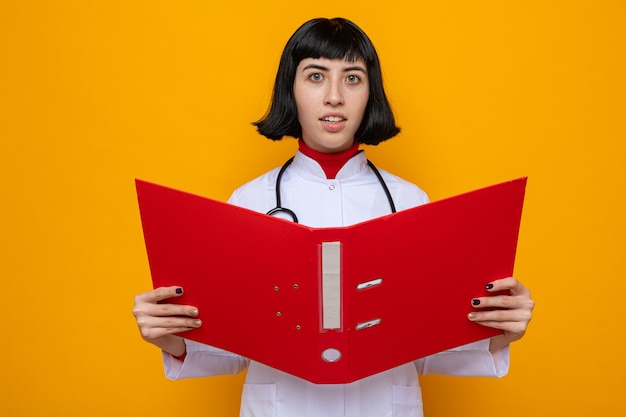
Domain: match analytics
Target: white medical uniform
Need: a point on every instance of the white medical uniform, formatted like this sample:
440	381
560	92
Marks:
355	195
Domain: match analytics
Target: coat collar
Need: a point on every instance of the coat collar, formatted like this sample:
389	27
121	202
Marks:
311	169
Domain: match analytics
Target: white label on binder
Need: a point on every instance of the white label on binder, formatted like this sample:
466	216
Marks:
331	285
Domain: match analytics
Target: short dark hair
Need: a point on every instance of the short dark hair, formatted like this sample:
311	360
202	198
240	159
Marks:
332	39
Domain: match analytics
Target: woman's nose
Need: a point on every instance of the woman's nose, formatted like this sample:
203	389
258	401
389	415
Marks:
334	94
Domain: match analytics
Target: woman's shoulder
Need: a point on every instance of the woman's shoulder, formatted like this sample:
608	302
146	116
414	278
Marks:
253	193
406	194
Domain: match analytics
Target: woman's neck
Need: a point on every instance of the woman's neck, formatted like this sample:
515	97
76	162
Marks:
331	163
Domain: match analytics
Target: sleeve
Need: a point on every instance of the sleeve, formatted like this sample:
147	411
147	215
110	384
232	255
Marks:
203	360
473	359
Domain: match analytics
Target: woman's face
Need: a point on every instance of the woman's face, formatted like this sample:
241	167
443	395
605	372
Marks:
331	96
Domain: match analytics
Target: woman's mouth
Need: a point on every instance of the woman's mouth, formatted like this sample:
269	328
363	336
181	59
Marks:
333	123
333	119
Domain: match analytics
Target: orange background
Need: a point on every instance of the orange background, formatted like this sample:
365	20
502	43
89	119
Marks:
94	94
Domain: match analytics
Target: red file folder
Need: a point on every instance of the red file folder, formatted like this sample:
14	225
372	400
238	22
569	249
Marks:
332	305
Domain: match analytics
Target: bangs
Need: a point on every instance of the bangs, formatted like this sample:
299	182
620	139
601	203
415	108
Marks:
333	39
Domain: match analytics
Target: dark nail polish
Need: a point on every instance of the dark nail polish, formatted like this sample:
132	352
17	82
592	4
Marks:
179	290
489	286
475	301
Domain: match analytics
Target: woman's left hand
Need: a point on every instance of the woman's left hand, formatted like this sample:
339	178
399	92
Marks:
508	312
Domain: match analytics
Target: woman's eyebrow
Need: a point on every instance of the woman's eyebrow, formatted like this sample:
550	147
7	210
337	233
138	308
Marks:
315	66
354	68
323	68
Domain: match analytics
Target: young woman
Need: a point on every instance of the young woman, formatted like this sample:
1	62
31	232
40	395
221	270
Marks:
329	95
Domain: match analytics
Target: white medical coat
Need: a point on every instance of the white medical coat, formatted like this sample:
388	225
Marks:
355	195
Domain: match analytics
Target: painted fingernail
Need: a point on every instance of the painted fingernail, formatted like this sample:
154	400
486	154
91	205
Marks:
194	311
179	290
489	286
475	301
471	316
197	323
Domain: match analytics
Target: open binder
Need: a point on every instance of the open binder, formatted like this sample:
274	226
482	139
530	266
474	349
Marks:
332	305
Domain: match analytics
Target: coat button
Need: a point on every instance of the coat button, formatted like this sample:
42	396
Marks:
331	187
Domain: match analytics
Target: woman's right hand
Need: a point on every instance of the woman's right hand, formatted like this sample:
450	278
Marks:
158	322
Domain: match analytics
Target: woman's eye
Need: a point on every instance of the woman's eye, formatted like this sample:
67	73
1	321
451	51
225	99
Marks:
353	78
316	77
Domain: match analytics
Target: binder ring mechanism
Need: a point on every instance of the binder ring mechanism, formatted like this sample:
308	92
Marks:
364	286
331	296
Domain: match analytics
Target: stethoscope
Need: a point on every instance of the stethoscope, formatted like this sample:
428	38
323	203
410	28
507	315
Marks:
290	213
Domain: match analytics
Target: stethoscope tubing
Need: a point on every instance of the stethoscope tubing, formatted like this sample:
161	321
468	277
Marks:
290	213
279	208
